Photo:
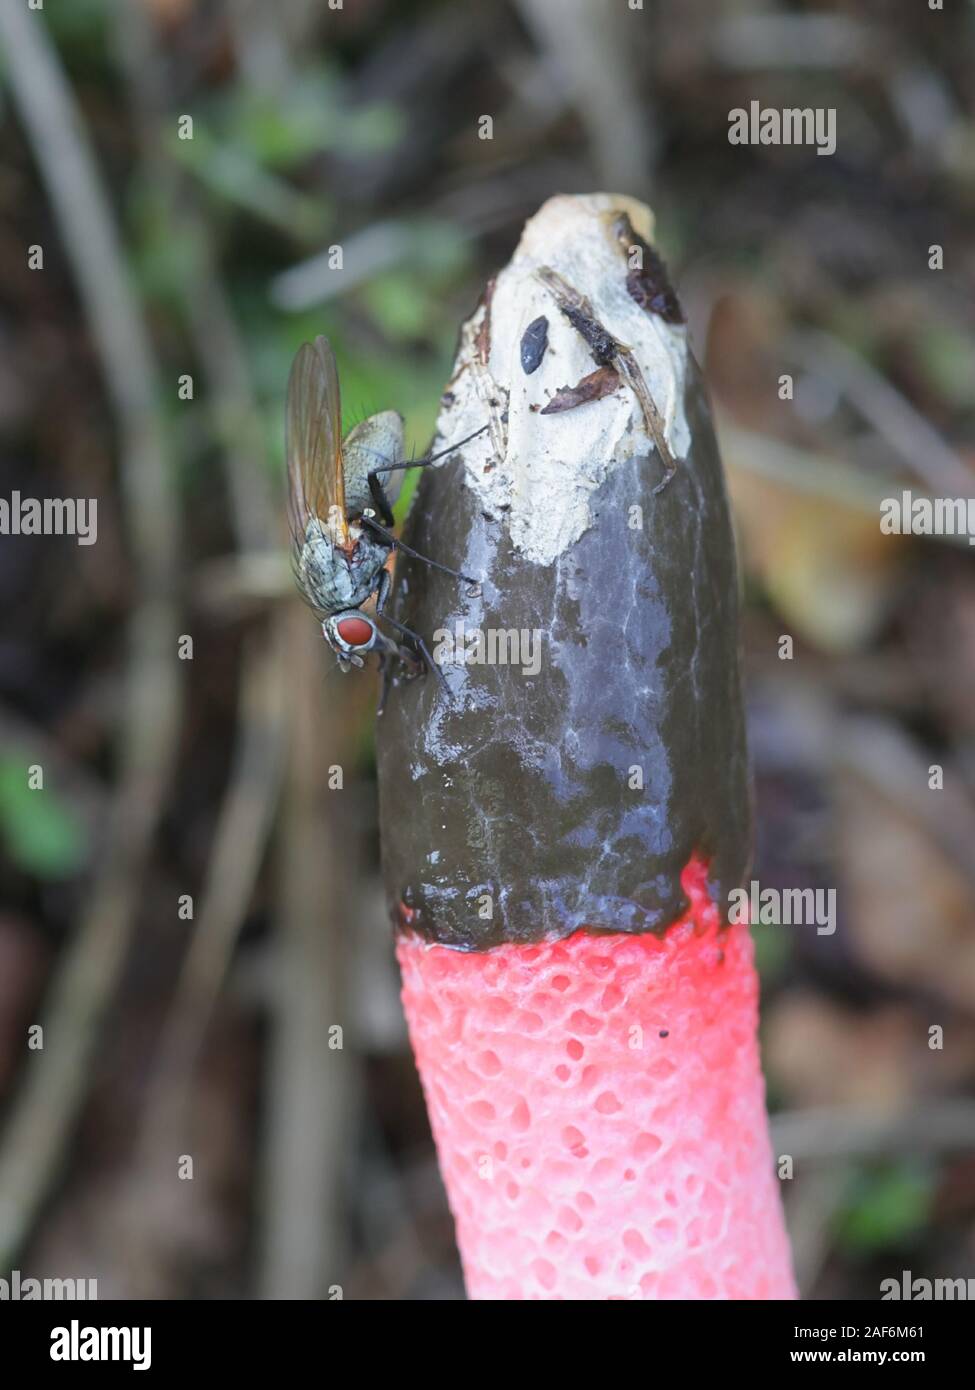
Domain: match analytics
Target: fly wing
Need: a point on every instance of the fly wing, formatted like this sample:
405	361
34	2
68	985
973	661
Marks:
313	441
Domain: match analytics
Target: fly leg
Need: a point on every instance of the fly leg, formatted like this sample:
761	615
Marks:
377	490
391	540
387	651
379	496
385	584
415	637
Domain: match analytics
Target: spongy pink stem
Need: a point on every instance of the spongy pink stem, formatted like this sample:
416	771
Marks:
599	1112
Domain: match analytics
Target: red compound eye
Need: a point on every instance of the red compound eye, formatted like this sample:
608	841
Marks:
356	632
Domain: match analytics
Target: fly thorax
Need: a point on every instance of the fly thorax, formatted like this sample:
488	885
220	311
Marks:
369	555
373	444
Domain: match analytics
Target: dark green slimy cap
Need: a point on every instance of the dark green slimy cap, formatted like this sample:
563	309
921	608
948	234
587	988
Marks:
568	788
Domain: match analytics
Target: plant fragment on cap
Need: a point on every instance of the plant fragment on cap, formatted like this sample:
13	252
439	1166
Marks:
593	738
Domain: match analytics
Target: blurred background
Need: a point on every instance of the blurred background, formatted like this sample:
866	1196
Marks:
187	907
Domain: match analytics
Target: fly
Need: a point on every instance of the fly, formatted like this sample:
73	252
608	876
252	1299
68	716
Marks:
339	548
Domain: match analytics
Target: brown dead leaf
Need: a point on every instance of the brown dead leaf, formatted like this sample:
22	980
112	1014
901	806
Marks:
909	905
828	569
822	1053
602	382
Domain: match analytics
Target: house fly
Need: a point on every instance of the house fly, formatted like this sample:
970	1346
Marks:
336	487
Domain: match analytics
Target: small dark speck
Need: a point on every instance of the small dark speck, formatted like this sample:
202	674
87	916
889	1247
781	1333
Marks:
447	399
664	1033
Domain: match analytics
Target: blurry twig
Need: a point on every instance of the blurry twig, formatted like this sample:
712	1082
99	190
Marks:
244	581
245	819
783	41
244	822
817	475
801	470
54	1085
810	1215
907	432
923	100
371	251
248	806
885	756
398	1196
589	43
811	731
473	207
260	44
310	1079
830	1132
217	342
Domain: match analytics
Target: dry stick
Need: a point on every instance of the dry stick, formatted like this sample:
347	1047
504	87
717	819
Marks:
907	432
243	825
247	808
825	1133
816	474
391	1204
260	44
45	1110
886	758
575	815
878	753
591	45
299	1226
610	350
779	42
218	345
812	1210
310	1079
475	208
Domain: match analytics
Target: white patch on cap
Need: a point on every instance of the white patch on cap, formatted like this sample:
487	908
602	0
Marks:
536	473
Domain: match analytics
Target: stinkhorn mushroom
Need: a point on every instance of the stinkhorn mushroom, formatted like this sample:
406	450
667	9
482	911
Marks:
562	825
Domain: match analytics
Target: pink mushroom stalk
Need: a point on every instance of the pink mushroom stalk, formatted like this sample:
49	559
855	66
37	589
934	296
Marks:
599	1112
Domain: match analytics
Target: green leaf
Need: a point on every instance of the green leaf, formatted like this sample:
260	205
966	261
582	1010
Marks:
41	834
399	304
886	1206
233	175
772	950
948	361
371	130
